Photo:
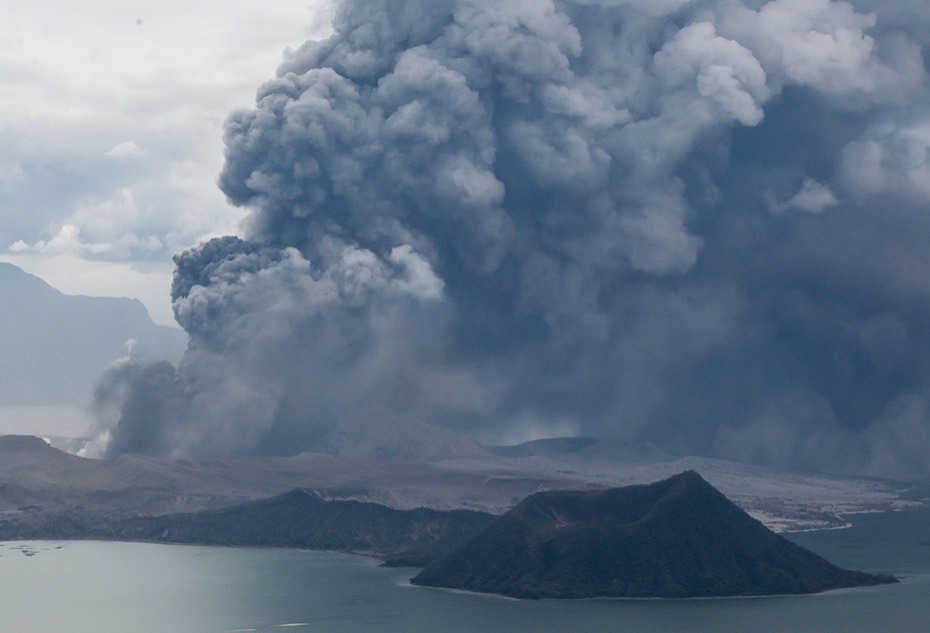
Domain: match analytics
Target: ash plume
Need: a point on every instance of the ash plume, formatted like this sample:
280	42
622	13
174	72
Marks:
699	223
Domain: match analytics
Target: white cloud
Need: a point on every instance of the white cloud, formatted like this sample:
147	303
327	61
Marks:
112	126
125	149
419	280
813	197
890	157
824	45
721	70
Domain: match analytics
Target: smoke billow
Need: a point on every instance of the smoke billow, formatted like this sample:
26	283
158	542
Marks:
701	223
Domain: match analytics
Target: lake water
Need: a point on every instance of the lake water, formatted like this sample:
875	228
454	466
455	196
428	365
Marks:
92	587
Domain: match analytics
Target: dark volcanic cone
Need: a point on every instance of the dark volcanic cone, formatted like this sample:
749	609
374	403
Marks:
676	538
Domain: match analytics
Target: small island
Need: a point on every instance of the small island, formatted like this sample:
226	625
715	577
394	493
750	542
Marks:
677	538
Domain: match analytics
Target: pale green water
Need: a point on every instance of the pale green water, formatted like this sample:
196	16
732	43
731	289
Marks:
90	587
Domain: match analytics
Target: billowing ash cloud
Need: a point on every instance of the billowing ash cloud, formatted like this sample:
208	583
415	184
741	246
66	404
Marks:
700	223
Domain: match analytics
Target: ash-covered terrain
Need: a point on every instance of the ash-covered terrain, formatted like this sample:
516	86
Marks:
48	493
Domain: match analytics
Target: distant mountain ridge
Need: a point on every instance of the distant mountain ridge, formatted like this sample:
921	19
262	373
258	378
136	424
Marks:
304	519
54	346
133	485
585	450
676	538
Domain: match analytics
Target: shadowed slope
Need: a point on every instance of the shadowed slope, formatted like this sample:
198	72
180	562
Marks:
304	519
676	538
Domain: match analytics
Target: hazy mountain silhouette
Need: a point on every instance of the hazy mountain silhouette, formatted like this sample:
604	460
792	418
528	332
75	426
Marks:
55	346
676	538
304	519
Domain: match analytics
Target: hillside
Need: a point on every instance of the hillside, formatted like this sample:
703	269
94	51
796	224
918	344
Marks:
676	538
55	346
297	519
304	519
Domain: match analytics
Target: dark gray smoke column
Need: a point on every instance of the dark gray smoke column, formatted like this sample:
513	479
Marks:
700	223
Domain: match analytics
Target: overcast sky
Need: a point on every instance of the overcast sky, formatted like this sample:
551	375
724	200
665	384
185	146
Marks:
112	131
